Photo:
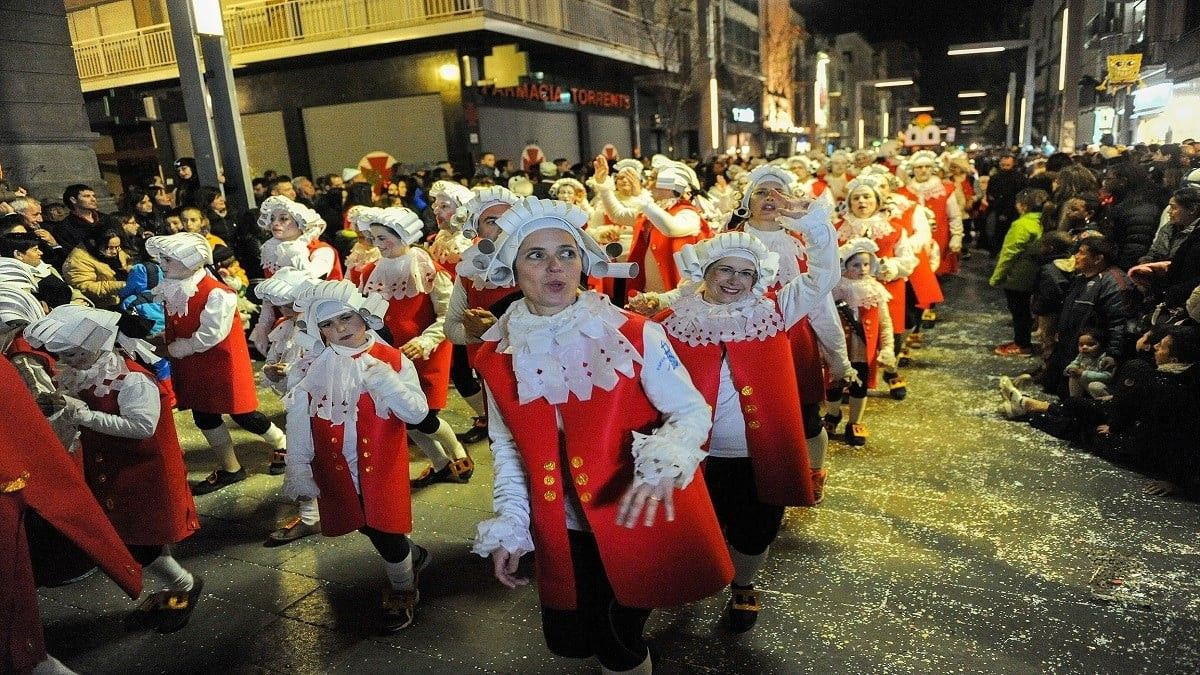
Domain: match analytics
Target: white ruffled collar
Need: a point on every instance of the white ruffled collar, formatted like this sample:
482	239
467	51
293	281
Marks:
696	321
447	247
405	276
571	352
930	189
175	293
360	258
877	226
277	253
333	380
860	293
106	375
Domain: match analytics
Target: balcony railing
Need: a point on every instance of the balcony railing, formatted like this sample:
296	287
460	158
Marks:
264	24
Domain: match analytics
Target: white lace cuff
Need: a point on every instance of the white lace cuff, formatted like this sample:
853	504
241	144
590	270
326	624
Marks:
501	532
657	458
298	482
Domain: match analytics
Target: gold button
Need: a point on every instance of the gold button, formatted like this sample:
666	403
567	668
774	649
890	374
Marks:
754	425
751	408
747	390
550	496
338	467
548	480
581	479
549	466
366	441
333	439
102	478
576	462
366	455
368	469
585	497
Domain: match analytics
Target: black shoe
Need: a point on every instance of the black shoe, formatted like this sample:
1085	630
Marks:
291	531
177	607
856	434
217	480
278	462
478	432
742	609
145	616
400	606
446	474
832	422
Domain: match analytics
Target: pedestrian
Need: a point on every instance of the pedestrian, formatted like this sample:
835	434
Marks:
346	417
132	459
417	291
620	522
1000	201
724	331
210	361
1016	270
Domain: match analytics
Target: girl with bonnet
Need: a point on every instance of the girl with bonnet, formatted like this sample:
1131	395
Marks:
596	435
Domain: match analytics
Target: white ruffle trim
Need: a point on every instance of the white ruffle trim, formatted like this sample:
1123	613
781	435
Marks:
175	293
407	276
277	253
874	228
656	458
699	322
447	247
359	258
568	353
859	293
501	532
106	375
933	188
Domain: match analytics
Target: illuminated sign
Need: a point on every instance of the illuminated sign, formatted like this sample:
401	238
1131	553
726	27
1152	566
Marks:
821	93
553	93
743	115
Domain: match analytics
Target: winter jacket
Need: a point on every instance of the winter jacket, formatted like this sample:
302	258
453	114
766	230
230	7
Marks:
1183	275
1167	241
1016	267
97	281
1053	279
1101	302
1133	223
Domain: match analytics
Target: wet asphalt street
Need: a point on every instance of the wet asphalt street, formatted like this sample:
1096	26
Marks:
955	541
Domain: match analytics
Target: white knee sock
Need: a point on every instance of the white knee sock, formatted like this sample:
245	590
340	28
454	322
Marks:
643	668
477	403
448	441
170	573
275	436
437	457
52	666
857	406
309	514
745	567
222	444
400	575
816	450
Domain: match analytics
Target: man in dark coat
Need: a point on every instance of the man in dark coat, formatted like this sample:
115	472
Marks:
1134	215
1002	190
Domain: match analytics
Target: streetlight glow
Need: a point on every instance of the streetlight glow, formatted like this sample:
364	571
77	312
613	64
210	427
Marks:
1022	134
883	128
862	131
207	15
893	83
1062	55
971	112
713	123
972	94
974	50
921	108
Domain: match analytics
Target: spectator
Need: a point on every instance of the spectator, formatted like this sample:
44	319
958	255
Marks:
51	289
140	204
1017	269
1098	298
1002	189
211	203
1091	370
30	211
1079	214
549	173
1053	279
1133	216
98	267
187	181
305	191
1183	214
84	216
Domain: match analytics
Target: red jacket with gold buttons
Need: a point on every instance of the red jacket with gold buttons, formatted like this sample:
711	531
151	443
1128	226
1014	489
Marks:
382	467
140	483
37	473
670	563
218	380
648	238
764	375
484	298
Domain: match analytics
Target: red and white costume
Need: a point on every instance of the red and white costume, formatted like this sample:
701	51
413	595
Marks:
867	300
286	342
364	252
661	230
307	252
895	254
915	221
938	196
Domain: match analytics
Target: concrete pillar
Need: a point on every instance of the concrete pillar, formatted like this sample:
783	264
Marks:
46	142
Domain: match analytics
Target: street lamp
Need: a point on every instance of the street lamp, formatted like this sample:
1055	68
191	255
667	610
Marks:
971	112
878	84
921	108
1027	99
972	94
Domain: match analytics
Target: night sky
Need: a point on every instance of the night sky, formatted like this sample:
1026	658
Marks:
930	27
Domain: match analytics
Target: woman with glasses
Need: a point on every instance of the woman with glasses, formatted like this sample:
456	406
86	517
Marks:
98	267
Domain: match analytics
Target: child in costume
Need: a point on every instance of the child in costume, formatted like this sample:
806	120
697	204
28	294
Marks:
295	239
346	413
862	303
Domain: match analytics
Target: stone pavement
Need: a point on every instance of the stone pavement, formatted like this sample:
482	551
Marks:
955	541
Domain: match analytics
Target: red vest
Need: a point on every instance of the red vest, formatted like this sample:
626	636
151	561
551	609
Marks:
382	467
648	238
140	483
36	473
485	298
869	318
924	284
221	379
668	564
763	373
406	318
941	231
20	345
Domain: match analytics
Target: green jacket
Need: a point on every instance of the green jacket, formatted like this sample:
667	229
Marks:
1017	267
